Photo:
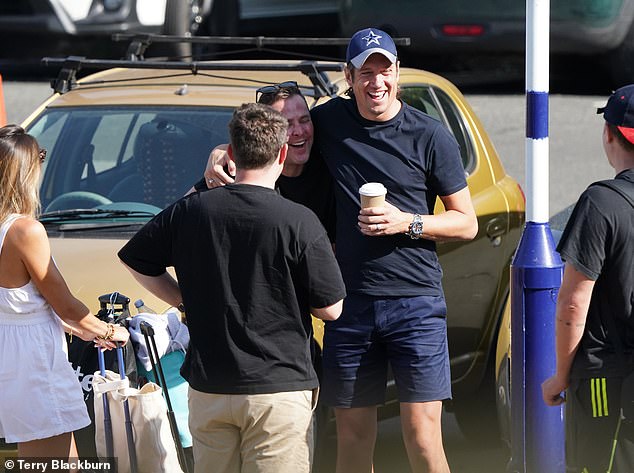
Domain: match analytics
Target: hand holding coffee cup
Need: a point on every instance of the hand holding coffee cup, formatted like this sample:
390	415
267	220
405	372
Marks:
372	195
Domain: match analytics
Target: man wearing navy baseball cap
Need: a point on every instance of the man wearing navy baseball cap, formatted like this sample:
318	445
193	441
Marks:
367	42
594	315
619	111
395	311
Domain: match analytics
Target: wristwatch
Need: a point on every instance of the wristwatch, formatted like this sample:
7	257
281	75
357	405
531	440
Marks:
416	228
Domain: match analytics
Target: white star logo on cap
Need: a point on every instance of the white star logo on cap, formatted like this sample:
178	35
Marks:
372	38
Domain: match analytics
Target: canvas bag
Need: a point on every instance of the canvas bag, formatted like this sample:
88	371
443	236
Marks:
83	357
154	444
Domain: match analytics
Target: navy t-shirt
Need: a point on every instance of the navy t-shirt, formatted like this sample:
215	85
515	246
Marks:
314	189
250	264
417	159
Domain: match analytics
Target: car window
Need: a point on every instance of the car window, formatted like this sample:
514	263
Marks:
439	105
151	156
113	134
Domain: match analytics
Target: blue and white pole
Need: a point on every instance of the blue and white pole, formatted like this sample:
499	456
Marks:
537	432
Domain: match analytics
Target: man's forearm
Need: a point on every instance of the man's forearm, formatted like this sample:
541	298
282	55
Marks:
165	287
451	225
571	313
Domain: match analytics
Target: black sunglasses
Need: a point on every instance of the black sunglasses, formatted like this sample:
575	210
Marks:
289	87
42	155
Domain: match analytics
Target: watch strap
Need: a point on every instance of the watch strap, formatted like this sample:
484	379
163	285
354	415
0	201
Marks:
415	230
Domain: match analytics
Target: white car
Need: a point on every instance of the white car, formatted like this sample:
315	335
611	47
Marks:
95	17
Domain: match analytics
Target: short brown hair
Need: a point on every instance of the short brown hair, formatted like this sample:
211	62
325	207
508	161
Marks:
625	143
257	134
19	172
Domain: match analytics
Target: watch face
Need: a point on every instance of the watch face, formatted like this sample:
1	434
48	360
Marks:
417	228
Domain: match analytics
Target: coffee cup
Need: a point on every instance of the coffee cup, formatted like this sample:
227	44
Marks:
372	194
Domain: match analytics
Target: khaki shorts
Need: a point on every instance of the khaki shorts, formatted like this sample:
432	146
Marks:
240	433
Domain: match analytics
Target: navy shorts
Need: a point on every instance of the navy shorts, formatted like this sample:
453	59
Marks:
408	332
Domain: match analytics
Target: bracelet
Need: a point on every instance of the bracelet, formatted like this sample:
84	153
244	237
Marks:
109	333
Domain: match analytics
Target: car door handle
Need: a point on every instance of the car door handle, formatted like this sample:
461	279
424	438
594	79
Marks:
495	228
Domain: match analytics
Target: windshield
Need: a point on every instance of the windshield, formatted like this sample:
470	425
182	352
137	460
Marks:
115	158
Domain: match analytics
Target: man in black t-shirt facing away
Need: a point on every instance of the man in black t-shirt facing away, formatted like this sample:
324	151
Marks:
251	267
594	320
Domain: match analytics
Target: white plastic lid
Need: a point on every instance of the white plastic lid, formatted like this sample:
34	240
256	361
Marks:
372	189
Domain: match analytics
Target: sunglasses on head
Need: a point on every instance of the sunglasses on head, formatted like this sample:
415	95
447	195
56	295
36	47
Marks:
288	87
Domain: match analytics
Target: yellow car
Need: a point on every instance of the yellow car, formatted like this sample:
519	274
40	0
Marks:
125	142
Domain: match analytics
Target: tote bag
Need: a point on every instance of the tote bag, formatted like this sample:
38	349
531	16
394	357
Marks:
153	441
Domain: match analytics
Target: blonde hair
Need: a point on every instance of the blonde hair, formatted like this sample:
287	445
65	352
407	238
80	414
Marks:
19	172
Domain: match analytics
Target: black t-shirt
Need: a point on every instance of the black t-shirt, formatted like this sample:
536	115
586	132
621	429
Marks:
417	159
312	188
599	242
250	264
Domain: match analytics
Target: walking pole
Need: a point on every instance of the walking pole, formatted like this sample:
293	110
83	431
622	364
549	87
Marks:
128	420
148	334
107	421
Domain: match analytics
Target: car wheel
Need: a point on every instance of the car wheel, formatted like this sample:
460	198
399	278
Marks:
503	400
322	450
476	414
621	61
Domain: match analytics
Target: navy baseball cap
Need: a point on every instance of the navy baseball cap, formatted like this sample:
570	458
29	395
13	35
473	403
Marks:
369	41
619	111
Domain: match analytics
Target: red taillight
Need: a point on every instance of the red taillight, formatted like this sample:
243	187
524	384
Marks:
462	30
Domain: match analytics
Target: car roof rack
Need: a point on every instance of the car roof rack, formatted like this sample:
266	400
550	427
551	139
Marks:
66	79
314	70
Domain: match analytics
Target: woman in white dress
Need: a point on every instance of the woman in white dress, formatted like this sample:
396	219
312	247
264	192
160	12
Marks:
41	400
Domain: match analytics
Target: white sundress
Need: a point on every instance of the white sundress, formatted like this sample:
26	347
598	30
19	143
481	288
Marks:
40	395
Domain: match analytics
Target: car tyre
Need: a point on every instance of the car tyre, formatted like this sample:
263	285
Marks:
503	401
476	414
322	449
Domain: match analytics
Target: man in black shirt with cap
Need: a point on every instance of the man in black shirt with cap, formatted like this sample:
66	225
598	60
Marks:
594	323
